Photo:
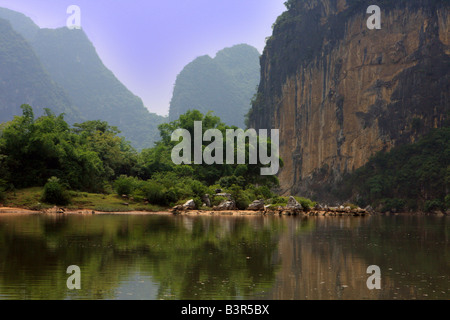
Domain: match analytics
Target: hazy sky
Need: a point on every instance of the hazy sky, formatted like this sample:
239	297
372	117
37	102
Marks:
146	43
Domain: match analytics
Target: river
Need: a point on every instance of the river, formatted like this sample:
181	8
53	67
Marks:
151	257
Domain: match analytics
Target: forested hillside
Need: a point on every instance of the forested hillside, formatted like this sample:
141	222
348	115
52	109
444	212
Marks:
24	80
224	85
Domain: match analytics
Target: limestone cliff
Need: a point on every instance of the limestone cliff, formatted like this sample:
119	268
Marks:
340	92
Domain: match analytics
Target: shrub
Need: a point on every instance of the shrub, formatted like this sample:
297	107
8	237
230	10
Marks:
125	185
279	201
240	196
171	196
393	204
264	192
432	205
227	182
3	189
55	192
447	201
154	192
198	188
351	205
216	200
306	203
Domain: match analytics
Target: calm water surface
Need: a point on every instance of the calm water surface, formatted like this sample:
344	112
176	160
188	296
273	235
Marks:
183	257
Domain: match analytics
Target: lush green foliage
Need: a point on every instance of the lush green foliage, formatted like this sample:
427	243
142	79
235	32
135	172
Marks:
92	157
84	157
224	85
410	177
55	192
160	181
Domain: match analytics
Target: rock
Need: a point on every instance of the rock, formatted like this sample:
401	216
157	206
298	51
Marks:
206	200
189	205
257	205
226	205
124	196
292	207
318	207
293	204
438	213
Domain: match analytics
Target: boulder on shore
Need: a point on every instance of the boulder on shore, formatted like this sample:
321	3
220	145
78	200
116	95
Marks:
226	205
293	207
257	205
189	205
294	204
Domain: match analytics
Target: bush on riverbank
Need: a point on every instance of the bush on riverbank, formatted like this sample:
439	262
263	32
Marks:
55	193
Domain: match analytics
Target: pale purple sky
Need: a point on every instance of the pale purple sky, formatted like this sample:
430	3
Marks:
146	43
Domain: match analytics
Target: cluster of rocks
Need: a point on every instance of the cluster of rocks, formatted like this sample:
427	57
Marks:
293	207
54	210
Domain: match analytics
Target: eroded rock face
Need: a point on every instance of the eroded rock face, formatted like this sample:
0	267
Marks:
340	92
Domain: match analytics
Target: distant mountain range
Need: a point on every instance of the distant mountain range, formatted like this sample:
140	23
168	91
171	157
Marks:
60	69
224	84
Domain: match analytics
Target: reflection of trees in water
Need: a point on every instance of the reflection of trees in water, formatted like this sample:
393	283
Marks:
189	257
220	257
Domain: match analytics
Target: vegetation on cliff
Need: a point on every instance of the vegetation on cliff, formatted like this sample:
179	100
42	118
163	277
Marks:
410	177
23	79
340	92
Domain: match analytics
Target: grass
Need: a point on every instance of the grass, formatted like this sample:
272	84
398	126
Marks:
30	198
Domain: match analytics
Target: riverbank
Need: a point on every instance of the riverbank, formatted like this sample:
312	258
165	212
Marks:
27	201
10	211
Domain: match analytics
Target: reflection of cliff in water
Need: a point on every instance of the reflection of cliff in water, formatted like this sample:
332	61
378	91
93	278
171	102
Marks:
331	261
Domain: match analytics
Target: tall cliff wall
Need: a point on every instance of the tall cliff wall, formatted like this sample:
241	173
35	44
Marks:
340	92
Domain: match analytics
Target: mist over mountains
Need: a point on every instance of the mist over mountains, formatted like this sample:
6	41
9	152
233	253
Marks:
60	69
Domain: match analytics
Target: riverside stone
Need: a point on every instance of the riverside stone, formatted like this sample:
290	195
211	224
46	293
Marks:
257	205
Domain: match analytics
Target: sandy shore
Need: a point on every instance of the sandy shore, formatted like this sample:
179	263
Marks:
8	211
4	211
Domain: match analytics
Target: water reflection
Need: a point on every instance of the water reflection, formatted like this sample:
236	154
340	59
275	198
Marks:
166	257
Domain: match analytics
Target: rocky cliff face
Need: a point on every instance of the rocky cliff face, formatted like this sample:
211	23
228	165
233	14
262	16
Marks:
340	92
